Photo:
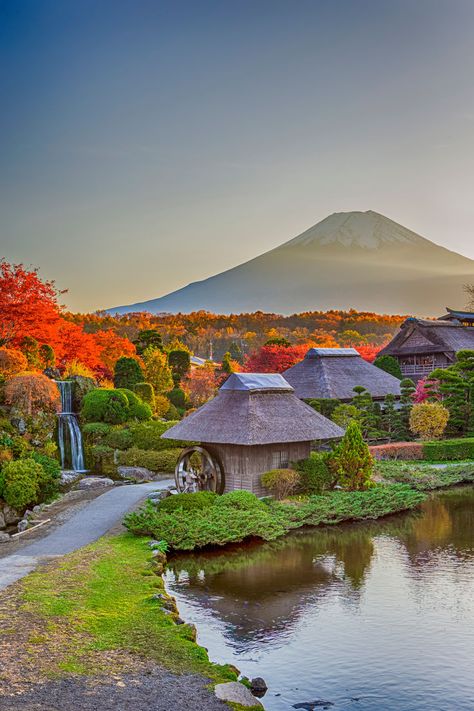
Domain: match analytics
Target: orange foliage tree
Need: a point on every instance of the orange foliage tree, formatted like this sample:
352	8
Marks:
274	359
32	393
200	385
12	361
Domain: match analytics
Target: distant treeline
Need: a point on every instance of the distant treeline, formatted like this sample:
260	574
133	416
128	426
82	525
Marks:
208	334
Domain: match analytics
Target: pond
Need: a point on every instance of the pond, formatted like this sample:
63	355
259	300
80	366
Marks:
367	616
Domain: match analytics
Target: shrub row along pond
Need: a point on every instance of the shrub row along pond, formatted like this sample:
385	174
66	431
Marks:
189	521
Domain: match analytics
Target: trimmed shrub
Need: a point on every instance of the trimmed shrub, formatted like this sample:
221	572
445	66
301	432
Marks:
281	482
449	450
428	420
177	397
351	460
390	365
20	483
113	406
239	499
127	372
408	451
102	405
137	409
314	473
163	461
145	392
325	406
188	502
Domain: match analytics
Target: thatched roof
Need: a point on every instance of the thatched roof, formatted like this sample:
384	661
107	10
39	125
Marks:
417	335
334	373
456	315
252	409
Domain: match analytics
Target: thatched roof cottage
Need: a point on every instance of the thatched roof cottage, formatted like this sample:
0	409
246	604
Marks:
254	424
333	373
421	345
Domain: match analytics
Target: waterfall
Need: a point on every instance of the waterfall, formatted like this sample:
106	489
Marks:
69	433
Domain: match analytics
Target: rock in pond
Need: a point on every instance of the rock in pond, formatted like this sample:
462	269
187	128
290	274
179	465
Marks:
94	482
135	474
258	686
237	693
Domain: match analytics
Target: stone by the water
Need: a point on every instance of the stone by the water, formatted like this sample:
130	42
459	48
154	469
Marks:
4	537
312	705
69	477
22	525
258	686
237	693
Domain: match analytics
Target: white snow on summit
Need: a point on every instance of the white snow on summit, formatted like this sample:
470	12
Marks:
368	230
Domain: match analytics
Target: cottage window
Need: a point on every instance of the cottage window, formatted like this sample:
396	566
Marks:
280	460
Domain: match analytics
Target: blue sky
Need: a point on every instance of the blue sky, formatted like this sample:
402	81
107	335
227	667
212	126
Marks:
146	144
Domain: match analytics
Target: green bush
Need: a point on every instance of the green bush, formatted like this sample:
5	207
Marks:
101	405
213	525
127	373
100	459
113	406
95	432
239	499
281	482
188	502
145	392
315	475
325	406
220	523
147	435
162	461
449	450
20	483
177	397
49	482
390	365
119	438
137	409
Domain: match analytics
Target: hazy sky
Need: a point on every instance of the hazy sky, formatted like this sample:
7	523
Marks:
146	144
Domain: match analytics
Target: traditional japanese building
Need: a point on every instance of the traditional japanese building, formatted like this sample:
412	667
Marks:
333	373
421	345
256	423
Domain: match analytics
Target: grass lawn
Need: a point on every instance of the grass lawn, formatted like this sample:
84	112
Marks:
100	610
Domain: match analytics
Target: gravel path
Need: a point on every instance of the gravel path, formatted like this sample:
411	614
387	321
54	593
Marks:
87	525
154	690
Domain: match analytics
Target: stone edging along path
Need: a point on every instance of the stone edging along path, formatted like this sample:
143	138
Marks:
87	525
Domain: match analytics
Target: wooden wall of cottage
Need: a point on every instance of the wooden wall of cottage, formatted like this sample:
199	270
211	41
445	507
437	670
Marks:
243	465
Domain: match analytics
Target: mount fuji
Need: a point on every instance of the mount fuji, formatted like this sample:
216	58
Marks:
358	260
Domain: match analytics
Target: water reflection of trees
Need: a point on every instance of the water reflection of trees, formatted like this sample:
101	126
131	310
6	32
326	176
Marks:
262	590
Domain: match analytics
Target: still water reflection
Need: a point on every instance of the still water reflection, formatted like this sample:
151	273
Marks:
368	616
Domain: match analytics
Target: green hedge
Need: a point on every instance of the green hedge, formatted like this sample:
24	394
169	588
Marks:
449	450
114	406
163	461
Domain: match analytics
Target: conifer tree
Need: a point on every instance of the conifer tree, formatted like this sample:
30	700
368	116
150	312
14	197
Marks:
351	461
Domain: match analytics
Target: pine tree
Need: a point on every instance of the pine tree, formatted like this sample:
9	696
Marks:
391	420
127	373
407	390
369	413
351	461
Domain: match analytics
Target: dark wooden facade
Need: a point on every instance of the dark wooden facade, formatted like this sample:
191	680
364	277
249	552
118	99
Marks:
421	345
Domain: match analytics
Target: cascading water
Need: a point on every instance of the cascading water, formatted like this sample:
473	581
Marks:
69	433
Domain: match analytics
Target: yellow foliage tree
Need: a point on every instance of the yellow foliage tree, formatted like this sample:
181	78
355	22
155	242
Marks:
428	420
157	371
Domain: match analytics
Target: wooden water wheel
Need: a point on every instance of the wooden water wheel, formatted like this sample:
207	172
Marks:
198	470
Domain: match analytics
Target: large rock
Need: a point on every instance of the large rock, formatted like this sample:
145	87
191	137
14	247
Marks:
10	514
94	482
3	523
4	537
69	477
237	693
136	473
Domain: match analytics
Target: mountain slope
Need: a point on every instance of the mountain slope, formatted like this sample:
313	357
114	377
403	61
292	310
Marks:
359	260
